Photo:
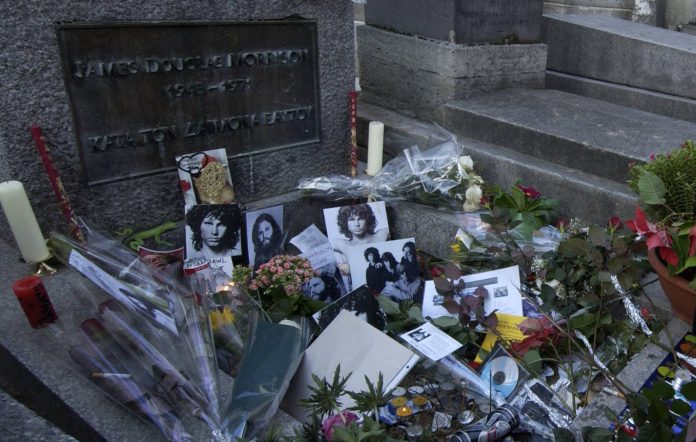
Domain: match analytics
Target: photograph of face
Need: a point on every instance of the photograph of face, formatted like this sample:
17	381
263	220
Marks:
213	231
389	268
265	237
326	287
357	224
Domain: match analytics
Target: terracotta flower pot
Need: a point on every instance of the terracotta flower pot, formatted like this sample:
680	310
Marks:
680	295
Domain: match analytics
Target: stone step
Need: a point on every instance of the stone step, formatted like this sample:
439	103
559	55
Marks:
20	423
623	52
564	7
580	194
673	106
588	135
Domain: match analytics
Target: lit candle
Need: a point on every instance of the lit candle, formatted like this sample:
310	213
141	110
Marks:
375	147
23	222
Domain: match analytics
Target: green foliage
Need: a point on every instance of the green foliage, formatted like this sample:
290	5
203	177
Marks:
666	185
369	431
325	397
371	400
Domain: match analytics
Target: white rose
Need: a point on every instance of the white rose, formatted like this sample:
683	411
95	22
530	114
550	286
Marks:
466	162
474	194
471	207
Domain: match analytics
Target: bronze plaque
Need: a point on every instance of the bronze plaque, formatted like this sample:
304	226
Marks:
144	93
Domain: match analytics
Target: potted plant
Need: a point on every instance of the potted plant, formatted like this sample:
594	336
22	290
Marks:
666	217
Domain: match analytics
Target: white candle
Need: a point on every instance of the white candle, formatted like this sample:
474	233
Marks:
23	222
375	147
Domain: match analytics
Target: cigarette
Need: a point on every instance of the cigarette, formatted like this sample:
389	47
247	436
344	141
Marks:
100	375
613	392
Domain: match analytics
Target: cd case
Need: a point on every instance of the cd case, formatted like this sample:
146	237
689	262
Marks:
503	373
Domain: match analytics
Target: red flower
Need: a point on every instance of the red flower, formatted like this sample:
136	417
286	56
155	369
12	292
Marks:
656	239
615	222
529	191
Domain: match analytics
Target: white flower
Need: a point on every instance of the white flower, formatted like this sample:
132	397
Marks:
473	198
466	162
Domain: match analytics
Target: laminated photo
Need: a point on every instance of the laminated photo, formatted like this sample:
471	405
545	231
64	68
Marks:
205	177
389	268
265	235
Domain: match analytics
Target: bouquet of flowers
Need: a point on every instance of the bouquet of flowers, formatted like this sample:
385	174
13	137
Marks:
276	286
158	333
440	177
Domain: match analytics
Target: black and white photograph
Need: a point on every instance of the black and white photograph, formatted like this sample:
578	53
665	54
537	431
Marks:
265	236
327	286
361	302
389	268
213	231
357	224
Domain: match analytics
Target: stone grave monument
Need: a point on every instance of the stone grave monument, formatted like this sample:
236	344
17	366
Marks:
119	90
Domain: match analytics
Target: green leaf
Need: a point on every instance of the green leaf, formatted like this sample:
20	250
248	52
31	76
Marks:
415	313
590	300
533	360
583	320
574	247
663	390
654	432
388	305
604	276
548	294
563	435
689	391
680	407
651	189
445	321
596	434
610	415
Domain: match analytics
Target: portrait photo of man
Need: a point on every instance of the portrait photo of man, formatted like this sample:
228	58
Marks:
213	231
265	235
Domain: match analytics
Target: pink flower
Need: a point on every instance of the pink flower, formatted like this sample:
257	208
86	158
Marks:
299	272
273	269
330	424
286	265
253	286
651	157
280	270
265	279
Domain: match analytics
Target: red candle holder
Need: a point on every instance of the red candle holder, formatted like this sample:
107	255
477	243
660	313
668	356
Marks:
34	300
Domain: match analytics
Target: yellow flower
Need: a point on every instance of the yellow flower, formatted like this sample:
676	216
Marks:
456	248
219	319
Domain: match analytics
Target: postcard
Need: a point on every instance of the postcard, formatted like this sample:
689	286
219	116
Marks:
358	224
389	268
265	235
430	341
214	232
503	294
205	177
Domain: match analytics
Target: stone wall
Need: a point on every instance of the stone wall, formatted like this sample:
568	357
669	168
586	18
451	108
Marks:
35	94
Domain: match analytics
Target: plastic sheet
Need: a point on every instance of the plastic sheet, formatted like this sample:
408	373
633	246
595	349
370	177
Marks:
631	310
159	327
440	177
